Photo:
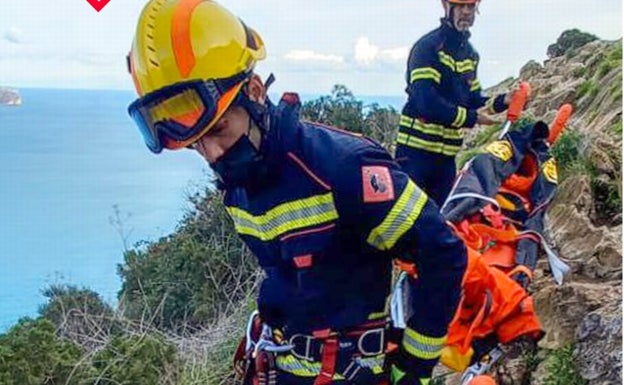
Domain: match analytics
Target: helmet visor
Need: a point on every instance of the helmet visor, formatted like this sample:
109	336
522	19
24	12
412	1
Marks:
175	116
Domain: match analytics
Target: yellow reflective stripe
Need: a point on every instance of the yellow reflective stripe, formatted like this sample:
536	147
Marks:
447	60
422	346
437	147
406	121
476	85
465	65
303	368
436	129
401	218
425	381
425	73
459	66
460	118
431	129
288	216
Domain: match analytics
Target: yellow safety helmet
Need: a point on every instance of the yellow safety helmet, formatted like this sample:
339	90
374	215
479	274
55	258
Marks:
189	60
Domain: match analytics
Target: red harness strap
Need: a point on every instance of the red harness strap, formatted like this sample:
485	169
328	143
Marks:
328	357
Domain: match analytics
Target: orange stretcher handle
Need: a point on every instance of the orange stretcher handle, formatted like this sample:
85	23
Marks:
557	126
518	101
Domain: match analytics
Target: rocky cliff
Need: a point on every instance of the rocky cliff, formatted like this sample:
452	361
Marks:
9	96
585	220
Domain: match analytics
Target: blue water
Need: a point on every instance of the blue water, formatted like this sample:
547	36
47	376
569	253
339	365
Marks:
67	158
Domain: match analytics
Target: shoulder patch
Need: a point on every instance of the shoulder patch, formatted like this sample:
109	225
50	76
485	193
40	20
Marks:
549	168
377	184
500	149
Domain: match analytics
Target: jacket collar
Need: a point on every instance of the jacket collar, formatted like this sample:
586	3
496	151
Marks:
453	36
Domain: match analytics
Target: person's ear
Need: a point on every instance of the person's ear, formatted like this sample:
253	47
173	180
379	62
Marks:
256	91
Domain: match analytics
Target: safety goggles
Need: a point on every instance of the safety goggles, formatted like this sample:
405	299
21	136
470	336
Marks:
175	116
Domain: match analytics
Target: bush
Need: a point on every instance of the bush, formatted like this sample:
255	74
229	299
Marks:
568	41
381	124
79	315
568	153
561	369
587	87
215	368
612	60
190	277
143	359
32	354
341	109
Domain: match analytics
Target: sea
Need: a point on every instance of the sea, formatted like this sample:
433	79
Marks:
78	187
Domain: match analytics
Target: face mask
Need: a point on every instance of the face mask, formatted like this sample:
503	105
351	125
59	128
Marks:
241	166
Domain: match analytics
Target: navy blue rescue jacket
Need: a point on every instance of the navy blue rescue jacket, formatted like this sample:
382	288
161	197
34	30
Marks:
325	227
444	92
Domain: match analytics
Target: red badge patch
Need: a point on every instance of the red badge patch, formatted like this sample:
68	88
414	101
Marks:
378	186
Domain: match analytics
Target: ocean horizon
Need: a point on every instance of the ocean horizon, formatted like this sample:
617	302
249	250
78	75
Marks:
71	161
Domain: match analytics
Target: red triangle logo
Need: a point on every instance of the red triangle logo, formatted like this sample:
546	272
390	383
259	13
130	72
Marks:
98	4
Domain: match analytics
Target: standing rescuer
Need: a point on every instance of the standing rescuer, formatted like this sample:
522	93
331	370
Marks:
324	235
444	97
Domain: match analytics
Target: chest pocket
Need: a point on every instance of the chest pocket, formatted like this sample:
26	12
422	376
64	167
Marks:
304	253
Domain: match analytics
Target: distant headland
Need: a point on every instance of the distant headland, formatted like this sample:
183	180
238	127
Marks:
10	97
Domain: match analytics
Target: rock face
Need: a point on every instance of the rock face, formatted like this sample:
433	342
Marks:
586	310
9	97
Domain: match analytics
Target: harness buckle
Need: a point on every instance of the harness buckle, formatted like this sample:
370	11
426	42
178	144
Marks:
307	355
378	333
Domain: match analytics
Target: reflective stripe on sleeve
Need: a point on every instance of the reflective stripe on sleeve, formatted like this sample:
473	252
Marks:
422	346
460	118
285	217
425	73
400	219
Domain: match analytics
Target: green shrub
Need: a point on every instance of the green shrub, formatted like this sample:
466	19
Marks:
141	359
214	369
340	109
568	154
32	354
79	315
568	41
579	72
617	128
191	276
381	124
587	87
607	199
561	368
612	60
616	53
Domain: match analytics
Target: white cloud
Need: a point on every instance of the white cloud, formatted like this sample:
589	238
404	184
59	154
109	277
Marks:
366	53
13	35
311	56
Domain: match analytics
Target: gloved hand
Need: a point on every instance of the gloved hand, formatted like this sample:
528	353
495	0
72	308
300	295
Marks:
483	118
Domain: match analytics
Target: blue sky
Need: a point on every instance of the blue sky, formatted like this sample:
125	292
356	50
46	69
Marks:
312	45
